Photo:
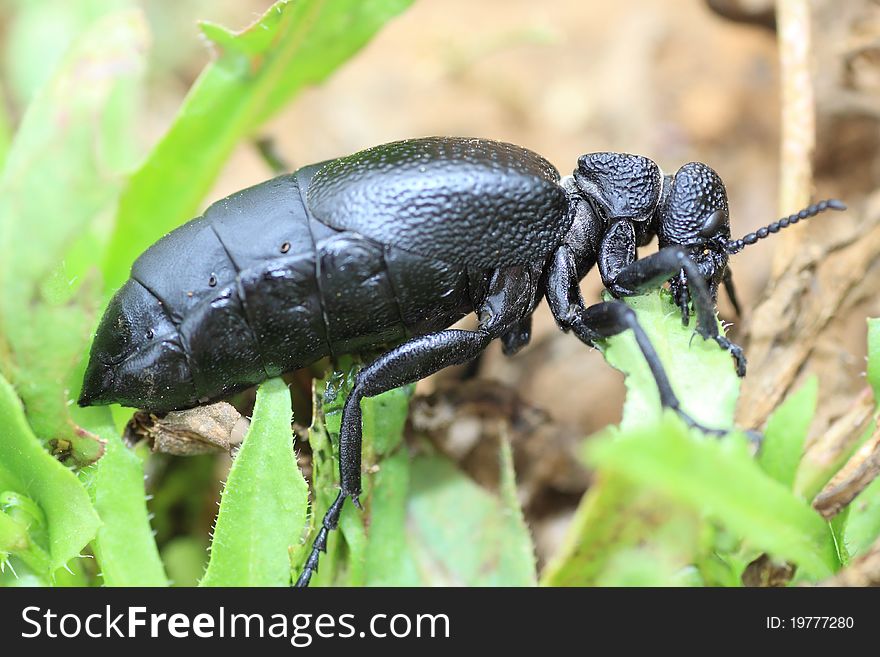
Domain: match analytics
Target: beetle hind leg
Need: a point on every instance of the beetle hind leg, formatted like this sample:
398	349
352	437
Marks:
507	303
405	364
328	524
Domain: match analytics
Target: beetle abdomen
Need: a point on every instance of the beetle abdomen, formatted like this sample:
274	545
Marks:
376	295
256	288
239	283
387	248
359	301
470	201
431	294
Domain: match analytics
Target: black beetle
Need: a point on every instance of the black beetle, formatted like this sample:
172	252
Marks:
393	245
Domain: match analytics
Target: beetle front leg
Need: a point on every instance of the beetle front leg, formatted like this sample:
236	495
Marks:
604	320
653	270
731	291
607	319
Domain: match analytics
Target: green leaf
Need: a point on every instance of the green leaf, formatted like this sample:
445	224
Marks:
637	524
720	479
646	566
328	398
837	525
25	467
185	557
294	44
410	508
388	561
786	432
618	522
124	547
62	147
384	417
863	523
689	362
39	34
63	172
5	130
351	553
873	372
462	535
519	557
263	506
23	532
606	519
13	536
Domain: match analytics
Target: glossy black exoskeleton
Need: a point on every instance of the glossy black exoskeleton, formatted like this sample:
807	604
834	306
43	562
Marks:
393	245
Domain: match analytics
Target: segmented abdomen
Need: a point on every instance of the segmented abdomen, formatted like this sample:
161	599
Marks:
257	287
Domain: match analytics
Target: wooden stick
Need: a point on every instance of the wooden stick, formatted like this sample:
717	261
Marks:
798	141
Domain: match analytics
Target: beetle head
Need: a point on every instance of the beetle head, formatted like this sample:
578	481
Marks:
694	215
136	357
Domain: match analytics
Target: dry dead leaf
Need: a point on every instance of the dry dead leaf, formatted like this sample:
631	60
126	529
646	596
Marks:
203	430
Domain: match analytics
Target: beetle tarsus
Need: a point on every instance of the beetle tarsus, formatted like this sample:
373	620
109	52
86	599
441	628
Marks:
736	353
329	523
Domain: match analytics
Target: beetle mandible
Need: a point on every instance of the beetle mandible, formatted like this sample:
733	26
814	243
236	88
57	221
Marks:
393	245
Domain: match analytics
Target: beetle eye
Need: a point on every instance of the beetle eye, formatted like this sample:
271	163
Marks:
713	222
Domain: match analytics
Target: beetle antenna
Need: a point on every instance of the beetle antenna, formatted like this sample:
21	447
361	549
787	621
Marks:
735	246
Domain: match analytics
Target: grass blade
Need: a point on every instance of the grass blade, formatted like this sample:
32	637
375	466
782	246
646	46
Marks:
264	502
124	547
720	479
786	431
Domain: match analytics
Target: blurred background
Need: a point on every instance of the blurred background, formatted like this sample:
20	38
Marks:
675	81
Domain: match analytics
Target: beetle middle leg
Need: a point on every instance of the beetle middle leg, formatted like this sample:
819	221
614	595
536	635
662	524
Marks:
507	303
517	337
604	320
